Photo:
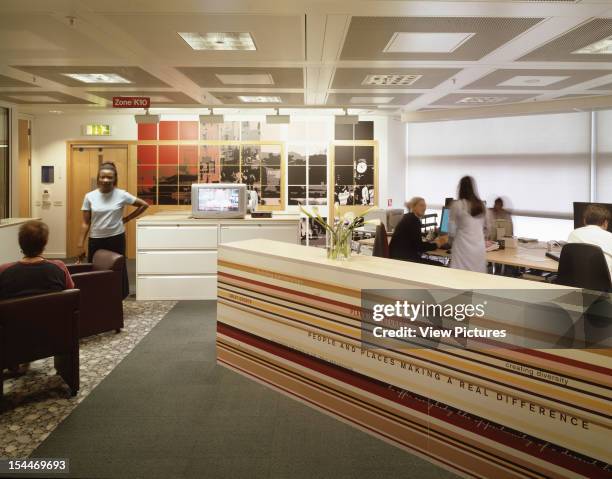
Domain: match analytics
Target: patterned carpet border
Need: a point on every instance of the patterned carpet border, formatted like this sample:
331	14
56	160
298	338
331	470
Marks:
39	401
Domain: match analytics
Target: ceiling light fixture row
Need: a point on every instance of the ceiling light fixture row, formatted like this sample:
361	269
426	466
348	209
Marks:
237	41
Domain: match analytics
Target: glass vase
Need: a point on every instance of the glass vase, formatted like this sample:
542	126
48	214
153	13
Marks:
339	247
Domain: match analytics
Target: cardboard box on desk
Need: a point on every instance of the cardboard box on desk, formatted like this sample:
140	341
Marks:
510	242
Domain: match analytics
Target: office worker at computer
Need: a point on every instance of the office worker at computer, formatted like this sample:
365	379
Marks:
467	224
499	213
407	243
596	220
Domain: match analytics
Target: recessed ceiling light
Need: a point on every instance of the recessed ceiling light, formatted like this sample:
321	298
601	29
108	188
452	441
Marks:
260	99
97	77
384	80
35	98
56	112
431	42
378	100
532	80
219	40
159	99
602	47
248	79
482	99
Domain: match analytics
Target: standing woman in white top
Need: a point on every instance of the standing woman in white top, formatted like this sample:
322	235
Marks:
103	217
467	224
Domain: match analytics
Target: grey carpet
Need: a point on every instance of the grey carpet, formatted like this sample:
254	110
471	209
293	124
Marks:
168	411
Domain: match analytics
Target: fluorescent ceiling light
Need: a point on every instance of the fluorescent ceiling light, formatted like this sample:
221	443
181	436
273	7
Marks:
56	112
393	80
602	47
35	98
97	77
532	80
259	99
212	118
410	42
278	119
219	40
482	99
159	99
248	79
146	119
377	100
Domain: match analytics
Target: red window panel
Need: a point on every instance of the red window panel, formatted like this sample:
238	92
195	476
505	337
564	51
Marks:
188	155
168	130
147	155
146	175
188	130
168	155
147	131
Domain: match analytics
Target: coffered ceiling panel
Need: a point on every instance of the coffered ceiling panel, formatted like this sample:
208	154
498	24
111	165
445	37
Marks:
250	77
514	79
607	86
44	38
157	97
565	47
274	98
276	37
476	99
36	97
365	99
133	76
392	78
11	82
462	38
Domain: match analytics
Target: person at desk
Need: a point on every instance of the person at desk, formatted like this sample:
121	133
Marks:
407	243
595	231
499	213
467	224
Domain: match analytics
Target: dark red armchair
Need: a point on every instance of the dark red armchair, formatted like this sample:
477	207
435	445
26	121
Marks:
41	326
101	284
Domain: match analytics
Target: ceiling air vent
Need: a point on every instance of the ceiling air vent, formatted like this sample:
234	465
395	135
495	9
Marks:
482	99
390	80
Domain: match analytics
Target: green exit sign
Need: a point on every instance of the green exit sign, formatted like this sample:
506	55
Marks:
96	129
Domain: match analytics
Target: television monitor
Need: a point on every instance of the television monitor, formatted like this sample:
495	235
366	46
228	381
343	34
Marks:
580	207
218	200
444	220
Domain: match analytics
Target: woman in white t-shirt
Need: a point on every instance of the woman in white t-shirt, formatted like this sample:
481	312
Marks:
103	217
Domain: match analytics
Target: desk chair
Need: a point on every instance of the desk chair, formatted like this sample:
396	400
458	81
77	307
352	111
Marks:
381	243
583	266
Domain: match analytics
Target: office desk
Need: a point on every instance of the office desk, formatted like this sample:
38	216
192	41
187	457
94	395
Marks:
521	257
290	318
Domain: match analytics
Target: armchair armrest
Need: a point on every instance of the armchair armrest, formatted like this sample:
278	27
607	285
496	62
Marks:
79	268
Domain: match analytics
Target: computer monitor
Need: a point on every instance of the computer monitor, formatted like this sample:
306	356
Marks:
444	220
448	202
580	207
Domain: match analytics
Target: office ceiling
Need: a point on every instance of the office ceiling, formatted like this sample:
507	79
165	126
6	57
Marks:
387	56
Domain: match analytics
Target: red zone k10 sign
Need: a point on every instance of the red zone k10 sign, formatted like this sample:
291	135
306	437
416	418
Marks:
131	102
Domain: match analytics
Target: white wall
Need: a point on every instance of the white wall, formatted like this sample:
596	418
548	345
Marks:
51	132
49	136
604	156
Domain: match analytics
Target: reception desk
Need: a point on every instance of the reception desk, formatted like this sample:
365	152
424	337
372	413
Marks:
291	319
176	256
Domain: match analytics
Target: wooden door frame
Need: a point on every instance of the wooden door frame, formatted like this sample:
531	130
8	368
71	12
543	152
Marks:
19	165
130	145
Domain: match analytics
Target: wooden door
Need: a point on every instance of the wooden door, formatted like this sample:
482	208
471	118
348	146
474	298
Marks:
24	168
84	163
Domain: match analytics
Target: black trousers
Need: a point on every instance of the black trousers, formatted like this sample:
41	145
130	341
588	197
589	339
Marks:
116	244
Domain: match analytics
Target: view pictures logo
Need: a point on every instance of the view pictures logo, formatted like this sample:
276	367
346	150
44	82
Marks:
412	311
